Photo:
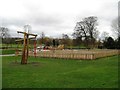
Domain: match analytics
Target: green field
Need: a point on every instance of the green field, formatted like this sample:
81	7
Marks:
60	73
14	46
8	51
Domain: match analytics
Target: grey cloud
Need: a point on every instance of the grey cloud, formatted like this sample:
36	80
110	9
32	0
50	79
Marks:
53	23
36	15
39	18
11	21
46	20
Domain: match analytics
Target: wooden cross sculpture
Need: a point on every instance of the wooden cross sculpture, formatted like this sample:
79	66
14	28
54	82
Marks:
25	51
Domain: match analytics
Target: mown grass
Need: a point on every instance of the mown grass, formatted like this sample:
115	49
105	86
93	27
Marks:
60	73
8	51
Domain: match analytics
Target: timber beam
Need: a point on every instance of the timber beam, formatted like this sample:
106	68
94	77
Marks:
27	33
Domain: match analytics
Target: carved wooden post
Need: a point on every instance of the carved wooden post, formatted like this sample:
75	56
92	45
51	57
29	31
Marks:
25	51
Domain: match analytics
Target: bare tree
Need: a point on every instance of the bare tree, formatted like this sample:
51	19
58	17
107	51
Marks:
4	32
42	36
115	27
87	30
80	30
96	34
104	36
65	36
5	36
66	40
91	25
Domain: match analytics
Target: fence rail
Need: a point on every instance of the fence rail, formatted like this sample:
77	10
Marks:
76	54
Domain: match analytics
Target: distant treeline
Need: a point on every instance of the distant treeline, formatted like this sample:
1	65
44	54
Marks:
69	43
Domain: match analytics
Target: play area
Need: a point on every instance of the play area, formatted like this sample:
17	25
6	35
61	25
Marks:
69	44
57	67
59	51
84	54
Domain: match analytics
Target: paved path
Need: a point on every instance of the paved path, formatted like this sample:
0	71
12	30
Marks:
8	55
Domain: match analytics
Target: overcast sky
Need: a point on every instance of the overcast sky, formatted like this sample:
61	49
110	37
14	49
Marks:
55	17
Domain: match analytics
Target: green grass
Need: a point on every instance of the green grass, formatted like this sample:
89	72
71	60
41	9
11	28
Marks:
8	51
9	45
14	46
59	73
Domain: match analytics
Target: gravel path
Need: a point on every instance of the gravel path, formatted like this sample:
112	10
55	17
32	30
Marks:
8	55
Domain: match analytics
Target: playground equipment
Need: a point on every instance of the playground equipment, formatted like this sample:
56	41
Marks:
60	47
25	51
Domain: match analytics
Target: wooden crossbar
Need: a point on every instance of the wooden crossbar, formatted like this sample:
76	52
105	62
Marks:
19	40
27	33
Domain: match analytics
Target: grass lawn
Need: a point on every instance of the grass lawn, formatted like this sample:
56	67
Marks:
59	73
8	51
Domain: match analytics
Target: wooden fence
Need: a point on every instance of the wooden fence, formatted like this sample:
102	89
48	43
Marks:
76	54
